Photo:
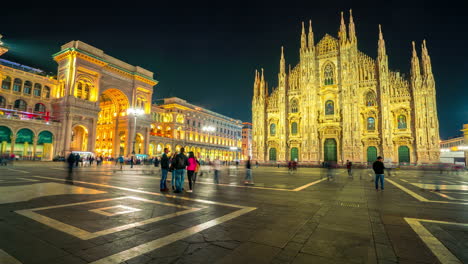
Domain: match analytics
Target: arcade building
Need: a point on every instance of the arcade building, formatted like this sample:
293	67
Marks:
100	104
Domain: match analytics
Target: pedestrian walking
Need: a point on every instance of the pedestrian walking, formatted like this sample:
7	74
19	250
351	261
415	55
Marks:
379	168
290	167
71	163
121	160
217	168
248	172
349	166
256	164
193	164
132	161
164	171
180	164
156	162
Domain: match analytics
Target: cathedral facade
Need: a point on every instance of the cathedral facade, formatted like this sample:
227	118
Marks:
339	104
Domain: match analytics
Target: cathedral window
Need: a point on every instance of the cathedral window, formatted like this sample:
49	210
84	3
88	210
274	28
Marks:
37	89
401	122
370	124
20	105
329	107
17	85
294	128
79	90
86	92
27	87
39	108
329	74
370	99
2	102
272	129
294	106
6	83
47	92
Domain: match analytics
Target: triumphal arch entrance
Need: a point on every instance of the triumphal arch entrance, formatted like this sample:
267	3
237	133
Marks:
94	95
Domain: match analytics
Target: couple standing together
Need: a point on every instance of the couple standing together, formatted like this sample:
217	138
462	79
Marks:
178	165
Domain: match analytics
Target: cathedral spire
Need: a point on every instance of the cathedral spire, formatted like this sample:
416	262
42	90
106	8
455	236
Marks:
282	62
311	37
303	38
426	60
381	49
415	70
352	29
256	88
342	32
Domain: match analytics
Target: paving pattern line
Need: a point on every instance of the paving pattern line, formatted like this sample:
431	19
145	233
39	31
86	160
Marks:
6	258
160	242
22	171
308	185
440	251
420	198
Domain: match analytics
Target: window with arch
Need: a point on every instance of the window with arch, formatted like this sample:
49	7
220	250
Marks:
370	123
86	92
294	128
46	92
329	107
39	108
2	102
272	129
20	105
329	74
27	87
37	89
370	99
294	106
6	83
17	85
402	122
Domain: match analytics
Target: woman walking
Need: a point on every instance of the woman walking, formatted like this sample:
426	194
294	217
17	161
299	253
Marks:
192	170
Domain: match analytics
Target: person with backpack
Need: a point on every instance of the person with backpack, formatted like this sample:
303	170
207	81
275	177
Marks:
192	167
121	161
164	170
379	168
180	164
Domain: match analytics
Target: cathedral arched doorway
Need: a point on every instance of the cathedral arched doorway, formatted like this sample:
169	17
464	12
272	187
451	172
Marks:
371	154
44	148
295	154
139	144
329	153
5	139
113	104
403	154
24	143
272	154
79	139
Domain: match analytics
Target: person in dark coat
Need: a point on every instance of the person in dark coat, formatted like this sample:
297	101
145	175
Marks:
379	168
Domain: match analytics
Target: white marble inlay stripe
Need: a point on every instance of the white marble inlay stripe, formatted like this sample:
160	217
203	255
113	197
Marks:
5	258
308	185
85	235
440	251
158	243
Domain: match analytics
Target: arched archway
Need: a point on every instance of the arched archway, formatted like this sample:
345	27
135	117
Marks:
5	139
79	138
114	104
403	154
23	143
272	154
44	147
330	150
295	154
371	154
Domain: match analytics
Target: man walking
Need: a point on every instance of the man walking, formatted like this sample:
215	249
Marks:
379	168
248	172
164	170
217	168
349	166
180	164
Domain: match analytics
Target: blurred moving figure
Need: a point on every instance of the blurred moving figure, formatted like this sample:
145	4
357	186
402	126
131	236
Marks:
248	172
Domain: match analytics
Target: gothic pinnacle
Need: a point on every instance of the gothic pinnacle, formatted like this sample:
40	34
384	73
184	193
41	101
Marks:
352	28
342	33
311	36
303	38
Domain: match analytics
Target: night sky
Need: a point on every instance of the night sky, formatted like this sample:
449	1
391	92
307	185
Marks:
207	53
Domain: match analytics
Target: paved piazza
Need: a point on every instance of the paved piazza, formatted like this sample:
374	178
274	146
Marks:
104	215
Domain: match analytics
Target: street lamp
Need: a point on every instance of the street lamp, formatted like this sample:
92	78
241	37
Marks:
135	112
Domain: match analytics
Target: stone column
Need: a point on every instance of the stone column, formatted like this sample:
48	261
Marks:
92	136
34	147
67	134
12	145
131	133
146	140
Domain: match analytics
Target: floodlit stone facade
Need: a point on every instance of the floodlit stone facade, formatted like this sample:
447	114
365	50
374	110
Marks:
339	104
